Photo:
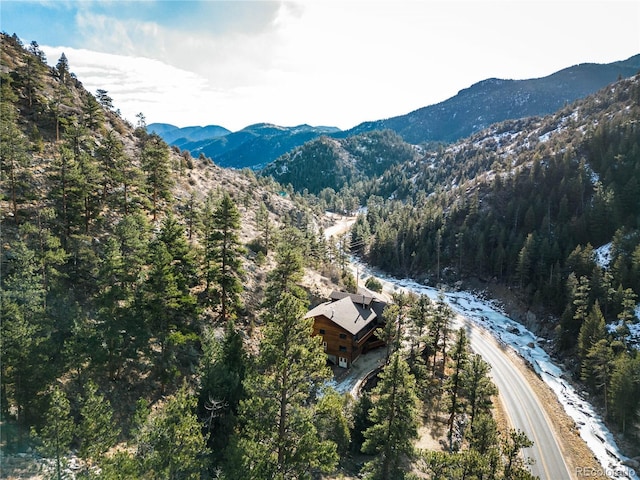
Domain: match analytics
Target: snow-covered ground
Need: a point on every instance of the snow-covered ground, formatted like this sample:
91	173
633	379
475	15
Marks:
527	345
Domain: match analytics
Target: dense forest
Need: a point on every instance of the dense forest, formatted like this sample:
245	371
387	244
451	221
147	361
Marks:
152	314
153	303
526	204
533	205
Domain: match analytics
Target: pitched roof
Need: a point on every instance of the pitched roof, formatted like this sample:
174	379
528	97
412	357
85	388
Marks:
355	297
345	313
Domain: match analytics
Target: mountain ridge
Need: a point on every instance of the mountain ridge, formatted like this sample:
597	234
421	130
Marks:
473	108
493	100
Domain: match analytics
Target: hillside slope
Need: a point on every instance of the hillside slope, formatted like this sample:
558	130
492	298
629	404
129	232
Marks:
110	268
495	100
471	110
328	163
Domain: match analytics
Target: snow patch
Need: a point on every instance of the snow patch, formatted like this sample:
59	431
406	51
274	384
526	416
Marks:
489	316
603	255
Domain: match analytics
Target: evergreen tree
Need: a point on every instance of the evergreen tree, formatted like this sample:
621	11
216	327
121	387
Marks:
62	68
597	368
58	430
454	384
156	166
515	466
395	422
592	331
389	334
14	160
105	100
31	73
97	430
92	113
361	420
483	436
625	390
419	319
289	268
331	421
277	437
170	443
226	261
265	228
441	318
183	262
223	370
25	334
167	308
478	387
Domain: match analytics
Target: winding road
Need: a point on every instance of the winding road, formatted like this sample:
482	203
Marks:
522	405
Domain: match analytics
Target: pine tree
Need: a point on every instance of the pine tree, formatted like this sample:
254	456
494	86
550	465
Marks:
58	430
592	331
92	113
25	332
223	370
625	390
170	443
289	268
483	436
62	68
515	466
597	368
97	429
167	307
395	422
438	329
14	160
331	421
477	387
277	437
454	384
419	319
361	421
389	334
265	227
226	261
156	166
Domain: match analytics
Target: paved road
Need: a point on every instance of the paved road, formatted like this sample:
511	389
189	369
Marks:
522	406
520	401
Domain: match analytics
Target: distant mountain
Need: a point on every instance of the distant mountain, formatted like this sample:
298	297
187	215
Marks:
495	100
253	146
471	110
180	136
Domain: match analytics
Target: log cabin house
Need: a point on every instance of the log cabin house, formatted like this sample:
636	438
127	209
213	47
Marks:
347	324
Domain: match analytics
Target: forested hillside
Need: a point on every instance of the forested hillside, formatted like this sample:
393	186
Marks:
153	314
135	282
331	164
526	204
153	304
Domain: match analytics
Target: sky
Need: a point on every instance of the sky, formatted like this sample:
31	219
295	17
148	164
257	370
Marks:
319	62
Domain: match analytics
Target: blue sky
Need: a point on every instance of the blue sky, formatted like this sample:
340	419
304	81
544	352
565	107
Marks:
234	63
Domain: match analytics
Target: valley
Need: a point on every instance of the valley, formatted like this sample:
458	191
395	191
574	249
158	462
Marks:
154	300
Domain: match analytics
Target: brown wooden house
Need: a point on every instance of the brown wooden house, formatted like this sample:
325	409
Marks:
347	324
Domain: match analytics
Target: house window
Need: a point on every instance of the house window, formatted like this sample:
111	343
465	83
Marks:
322	331
343	348
343	335
324	346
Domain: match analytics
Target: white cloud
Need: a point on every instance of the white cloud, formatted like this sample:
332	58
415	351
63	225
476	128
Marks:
334	63
137	84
